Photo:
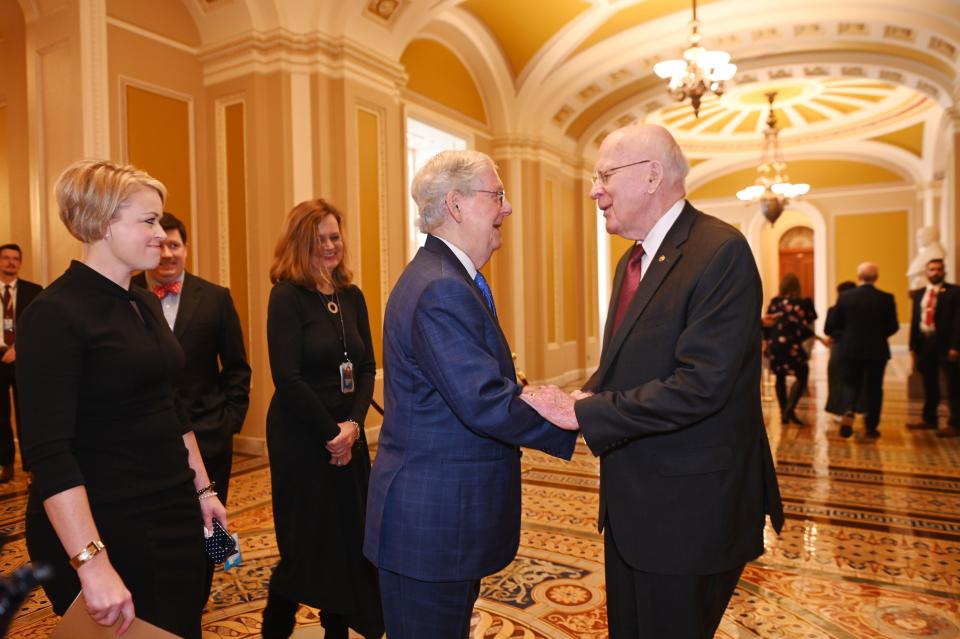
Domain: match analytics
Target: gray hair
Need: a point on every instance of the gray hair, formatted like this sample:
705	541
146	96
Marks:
447	171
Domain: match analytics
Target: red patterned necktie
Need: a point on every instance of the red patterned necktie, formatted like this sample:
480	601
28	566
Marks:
170	288
9	334
631	282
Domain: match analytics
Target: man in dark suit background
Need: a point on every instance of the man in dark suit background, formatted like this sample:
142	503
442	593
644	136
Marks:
16	294
444	502
215	386
935	346
673	410
866	318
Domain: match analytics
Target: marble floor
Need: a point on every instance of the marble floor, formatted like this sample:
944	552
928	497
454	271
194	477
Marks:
871	547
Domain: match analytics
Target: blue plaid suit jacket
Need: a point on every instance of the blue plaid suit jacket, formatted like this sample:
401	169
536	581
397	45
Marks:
444	500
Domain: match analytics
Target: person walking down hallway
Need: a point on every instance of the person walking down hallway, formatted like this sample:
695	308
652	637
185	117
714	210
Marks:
788	323
16	296
322	362
215	385
935	347
834	404
120	495
865	317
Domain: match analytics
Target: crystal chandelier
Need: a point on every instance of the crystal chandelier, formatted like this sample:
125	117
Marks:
699	71
773	187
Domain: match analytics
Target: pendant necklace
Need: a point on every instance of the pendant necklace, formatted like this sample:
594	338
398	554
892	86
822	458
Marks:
333	303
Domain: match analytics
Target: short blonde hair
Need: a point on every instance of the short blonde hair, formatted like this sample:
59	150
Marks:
91	192
447	171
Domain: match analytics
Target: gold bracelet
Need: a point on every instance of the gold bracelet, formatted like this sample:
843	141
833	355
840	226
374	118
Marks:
207	489
88	553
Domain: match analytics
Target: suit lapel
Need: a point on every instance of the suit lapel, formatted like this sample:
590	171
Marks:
189	301
661	264
438	246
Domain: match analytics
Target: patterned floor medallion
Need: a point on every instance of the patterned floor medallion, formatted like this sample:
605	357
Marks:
871	548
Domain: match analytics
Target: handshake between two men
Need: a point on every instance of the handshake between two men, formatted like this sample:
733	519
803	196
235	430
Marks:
554	405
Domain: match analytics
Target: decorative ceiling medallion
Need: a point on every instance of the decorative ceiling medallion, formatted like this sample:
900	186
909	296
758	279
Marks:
898	33
853	29
942	47
384	10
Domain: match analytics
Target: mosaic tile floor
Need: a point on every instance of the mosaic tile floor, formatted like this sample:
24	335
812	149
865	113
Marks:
871	548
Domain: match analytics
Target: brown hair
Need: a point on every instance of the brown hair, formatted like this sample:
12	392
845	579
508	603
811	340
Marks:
90	192
790	286
296	257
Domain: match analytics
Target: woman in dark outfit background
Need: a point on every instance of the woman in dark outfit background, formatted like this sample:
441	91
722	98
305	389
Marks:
119	495
788	323
321	358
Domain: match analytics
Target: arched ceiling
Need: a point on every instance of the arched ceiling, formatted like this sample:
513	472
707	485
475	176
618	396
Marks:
569	71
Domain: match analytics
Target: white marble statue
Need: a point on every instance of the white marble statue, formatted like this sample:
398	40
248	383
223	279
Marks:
928	248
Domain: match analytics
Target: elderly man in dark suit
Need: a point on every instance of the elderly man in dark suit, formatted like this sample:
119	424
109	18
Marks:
673	410
935	346
866	318
15	295
444	504
215	387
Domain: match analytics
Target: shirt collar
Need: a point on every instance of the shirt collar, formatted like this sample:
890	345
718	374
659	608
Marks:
463	257
13	284
653	240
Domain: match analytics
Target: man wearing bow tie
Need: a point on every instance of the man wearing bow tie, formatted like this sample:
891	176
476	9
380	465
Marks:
15	295
215	387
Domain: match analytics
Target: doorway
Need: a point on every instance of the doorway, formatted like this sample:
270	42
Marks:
796	256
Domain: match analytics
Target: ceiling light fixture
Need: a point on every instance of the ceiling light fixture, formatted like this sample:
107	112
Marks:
773	188
699	71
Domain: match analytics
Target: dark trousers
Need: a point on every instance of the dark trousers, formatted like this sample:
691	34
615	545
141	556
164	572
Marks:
643	605
788	400
863	382
930	361
8	387
415	609
218	469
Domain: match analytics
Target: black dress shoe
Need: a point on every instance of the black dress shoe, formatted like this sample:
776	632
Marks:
921	426
872	434
793	419
846	426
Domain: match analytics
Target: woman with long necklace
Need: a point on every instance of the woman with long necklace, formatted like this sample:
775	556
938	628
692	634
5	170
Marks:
322	361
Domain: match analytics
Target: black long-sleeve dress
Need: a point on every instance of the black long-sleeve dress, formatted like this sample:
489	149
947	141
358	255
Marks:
319	508
95	366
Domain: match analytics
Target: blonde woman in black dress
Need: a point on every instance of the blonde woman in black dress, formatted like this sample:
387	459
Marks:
321	358
120	495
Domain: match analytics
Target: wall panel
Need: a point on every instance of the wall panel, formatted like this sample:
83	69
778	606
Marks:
880	238
369	181
158	140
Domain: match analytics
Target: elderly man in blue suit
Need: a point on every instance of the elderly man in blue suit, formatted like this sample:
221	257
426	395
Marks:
444	504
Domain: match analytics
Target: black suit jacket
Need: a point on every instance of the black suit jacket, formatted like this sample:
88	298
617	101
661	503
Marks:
26	291
215	386
946	319
865	317
686	474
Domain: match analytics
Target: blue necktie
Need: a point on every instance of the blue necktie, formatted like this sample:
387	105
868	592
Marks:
487	293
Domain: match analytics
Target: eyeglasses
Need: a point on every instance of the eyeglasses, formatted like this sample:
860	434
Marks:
603	176
498	194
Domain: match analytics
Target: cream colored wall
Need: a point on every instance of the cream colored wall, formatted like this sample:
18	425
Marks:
14	191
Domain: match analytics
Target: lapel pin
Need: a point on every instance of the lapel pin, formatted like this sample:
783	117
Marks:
663	258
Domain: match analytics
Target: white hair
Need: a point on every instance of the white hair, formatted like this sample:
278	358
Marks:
447	171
